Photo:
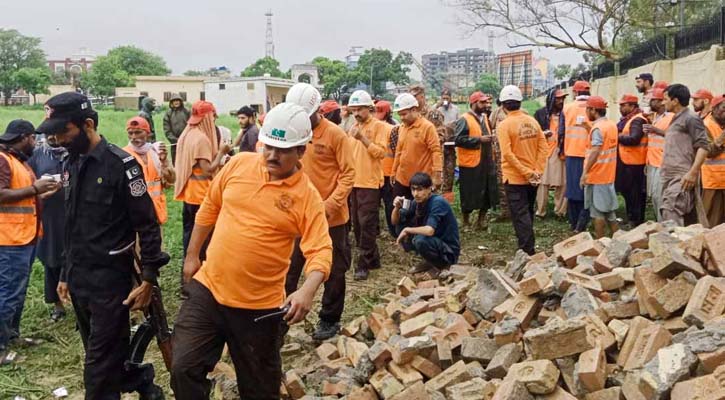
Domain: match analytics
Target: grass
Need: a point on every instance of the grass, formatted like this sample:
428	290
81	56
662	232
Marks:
58	360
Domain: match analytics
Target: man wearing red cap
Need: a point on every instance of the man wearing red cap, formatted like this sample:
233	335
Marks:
701	102
686	148
551	119
632	156
331	111
655	128
600	168
576	134
198	157
713	169
477	169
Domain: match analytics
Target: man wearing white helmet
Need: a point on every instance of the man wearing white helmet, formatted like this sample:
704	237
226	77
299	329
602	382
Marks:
367	139
328	163
418	150
257	205
523	158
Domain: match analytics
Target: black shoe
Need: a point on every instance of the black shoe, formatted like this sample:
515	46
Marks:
326	330
420	267
361	275
57	314
151	392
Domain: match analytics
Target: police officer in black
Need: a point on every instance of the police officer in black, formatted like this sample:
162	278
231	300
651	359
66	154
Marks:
106	206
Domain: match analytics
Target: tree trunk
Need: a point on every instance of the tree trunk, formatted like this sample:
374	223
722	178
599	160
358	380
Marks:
34	100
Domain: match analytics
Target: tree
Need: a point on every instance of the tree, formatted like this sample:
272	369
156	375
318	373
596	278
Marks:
34	80
192	72
16	52
489	84
334	75
590	26
562	71
378	66
119	68
265	65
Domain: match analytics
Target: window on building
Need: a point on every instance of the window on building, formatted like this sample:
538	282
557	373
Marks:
182	95
222	86
167	97
202	95
60	68
250	85
144	94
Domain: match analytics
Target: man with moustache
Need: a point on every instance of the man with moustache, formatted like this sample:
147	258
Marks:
701	100
248	133
551	120
655	129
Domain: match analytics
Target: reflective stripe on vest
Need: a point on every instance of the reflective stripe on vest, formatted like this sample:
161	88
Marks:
153	183
576	136
18	220
604	170
637	154
469	158
713	169
656	143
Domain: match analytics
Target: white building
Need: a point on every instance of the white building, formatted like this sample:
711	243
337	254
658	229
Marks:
306	73
260	93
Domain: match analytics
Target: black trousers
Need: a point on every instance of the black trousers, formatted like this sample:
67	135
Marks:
200	332
52	276
578	215
103	322
400	190
366	226
386	193
187	219
333	298
522	201
631	183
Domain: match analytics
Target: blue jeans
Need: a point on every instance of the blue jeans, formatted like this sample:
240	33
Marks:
15	264
432	249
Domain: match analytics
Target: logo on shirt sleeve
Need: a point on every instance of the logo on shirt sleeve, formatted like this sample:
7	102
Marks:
133	172
137	187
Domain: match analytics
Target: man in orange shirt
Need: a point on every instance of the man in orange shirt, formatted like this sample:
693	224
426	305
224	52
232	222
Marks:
573	146
329	165
418	149
551	120
523	154
600	168
655	129
631	158
198	157
257	206
153	159
713	169
701	102
367	139
384	112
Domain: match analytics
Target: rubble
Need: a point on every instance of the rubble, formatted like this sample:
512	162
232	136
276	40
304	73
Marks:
639	316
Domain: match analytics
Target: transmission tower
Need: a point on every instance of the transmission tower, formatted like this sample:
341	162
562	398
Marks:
269	43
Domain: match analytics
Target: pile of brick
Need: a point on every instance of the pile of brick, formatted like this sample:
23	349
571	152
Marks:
637	317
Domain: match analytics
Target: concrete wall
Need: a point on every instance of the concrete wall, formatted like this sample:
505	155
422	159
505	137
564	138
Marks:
53	89
260	94
701	70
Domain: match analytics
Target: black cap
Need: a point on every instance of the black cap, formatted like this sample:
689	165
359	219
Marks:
16	129
645	77
63	108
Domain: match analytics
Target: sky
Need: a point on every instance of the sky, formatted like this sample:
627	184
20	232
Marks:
202	34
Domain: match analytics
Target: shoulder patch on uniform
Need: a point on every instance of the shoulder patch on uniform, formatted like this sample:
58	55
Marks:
127	159
120	153
133	171
138	188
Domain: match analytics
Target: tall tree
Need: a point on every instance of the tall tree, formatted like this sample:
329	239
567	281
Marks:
489	84
378	66
265	65
119	68
334	75
562	71
16	52
34	80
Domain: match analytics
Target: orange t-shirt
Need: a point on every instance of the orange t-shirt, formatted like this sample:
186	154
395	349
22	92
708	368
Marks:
523	147
255	224
419	150
389	155
329	165
368	160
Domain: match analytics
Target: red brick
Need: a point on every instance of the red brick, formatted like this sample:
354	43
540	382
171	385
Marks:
591	369
426	367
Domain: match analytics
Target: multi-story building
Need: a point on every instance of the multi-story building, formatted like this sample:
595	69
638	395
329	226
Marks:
73	65
456	68
516	69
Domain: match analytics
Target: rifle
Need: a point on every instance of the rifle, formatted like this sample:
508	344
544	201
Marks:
155	325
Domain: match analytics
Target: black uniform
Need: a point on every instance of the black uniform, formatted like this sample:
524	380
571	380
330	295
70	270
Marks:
107	205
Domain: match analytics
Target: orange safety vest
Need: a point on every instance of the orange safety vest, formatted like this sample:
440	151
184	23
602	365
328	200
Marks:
637	154
713	169
604	169
576	136
656	143
153	183
19	223
469	158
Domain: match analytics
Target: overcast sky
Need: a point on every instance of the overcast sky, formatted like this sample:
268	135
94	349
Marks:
201	34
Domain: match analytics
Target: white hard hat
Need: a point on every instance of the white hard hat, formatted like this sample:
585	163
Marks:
404	102
360	98
305	96
510	93
286	125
